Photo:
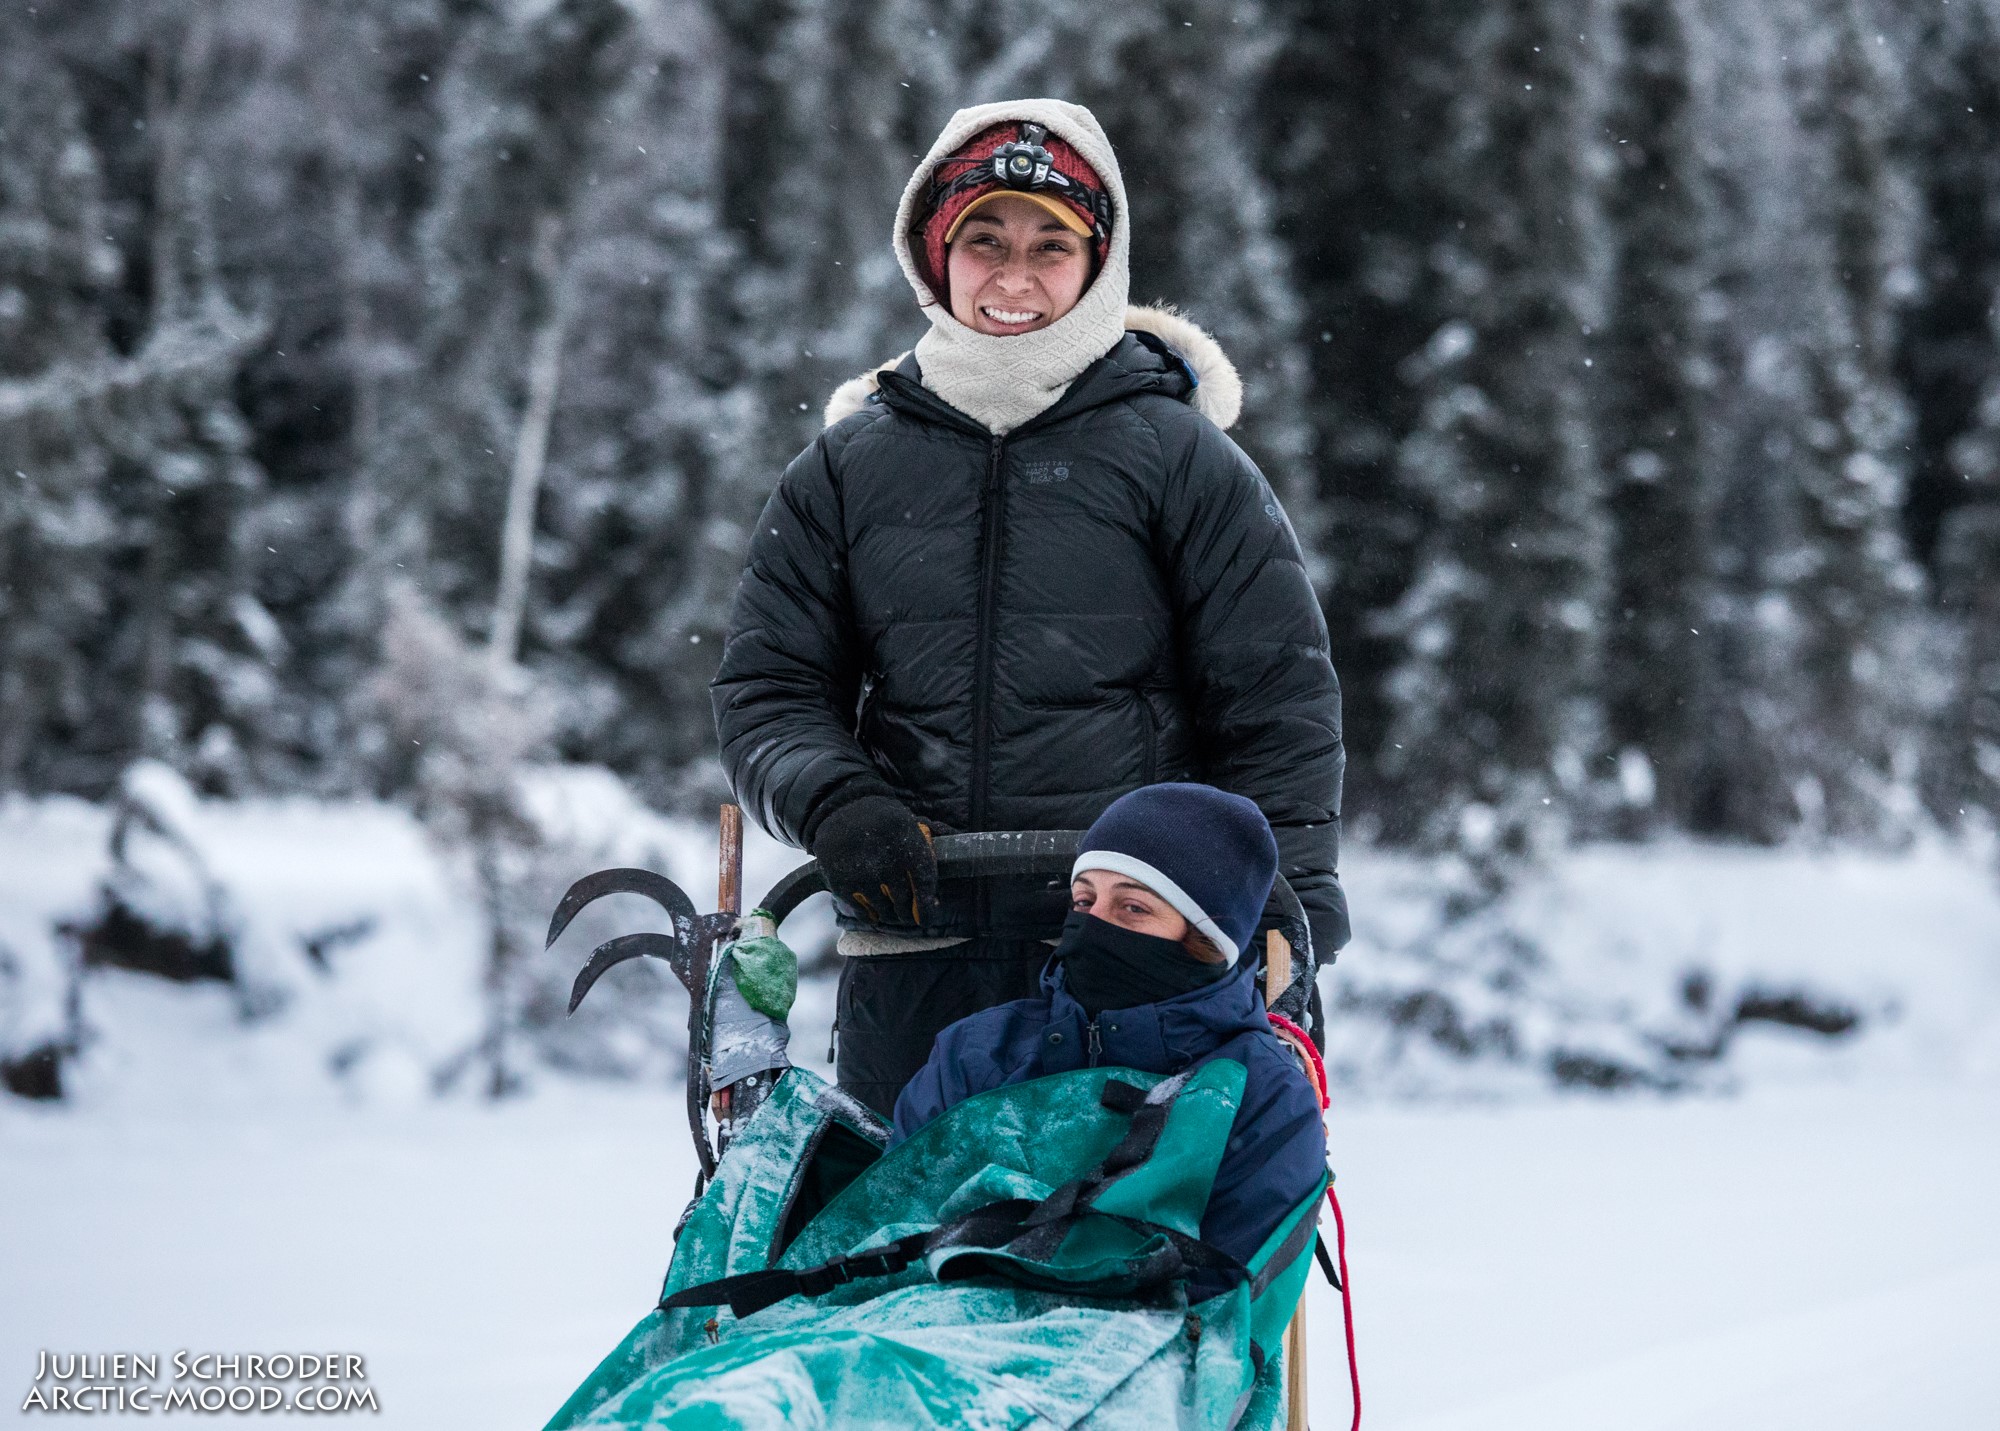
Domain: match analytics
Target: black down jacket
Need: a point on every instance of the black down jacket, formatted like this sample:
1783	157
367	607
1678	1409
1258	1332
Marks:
1008	633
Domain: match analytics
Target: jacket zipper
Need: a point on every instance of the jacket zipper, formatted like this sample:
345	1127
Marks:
1096	1044
982	671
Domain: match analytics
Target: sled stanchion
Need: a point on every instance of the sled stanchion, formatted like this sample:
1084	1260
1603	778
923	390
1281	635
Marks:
1277	966
1277	979
729	879
1295	1370
728	901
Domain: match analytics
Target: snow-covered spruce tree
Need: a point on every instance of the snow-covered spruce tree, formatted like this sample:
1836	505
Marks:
193	650
1949	357
658	460
1804	429
1951	366
1858	658
1662	689
626	614
300	125
177	663
1966	749
323	154
1203	223
1350	102
55	265
812	166
522	104
1495	705
586	409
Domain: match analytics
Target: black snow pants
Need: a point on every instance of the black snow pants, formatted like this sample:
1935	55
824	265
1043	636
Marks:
891	1007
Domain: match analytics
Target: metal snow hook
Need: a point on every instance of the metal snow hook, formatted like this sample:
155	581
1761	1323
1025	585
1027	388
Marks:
689	951
675	949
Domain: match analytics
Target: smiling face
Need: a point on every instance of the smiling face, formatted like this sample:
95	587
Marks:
1014	268
1123	901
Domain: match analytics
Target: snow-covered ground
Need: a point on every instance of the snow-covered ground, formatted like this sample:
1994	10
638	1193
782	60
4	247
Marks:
1804	1239
1809	1257
359	952
1815	1256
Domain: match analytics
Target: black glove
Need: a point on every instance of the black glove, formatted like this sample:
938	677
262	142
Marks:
877	856
1330	931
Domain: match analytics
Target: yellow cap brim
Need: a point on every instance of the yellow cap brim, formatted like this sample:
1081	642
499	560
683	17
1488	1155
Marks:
1067	216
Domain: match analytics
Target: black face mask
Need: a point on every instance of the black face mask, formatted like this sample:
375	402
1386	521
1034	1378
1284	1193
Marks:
1105	967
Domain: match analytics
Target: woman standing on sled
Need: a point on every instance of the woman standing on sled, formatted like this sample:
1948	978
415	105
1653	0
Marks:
1020	573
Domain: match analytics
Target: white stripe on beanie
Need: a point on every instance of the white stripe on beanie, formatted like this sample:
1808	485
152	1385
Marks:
1133	867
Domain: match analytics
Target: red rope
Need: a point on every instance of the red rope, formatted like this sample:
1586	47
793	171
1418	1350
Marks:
1315	1069
1308	1054
1346	1301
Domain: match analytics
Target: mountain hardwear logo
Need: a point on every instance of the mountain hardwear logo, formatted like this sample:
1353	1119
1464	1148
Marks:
1046	470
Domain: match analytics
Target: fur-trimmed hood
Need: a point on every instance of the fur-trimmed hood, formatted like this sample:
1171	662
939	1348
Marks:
1218	394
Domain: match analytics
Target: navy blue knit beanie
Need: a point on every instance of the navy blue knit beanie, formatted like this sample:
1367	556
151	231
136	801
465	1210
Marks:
1206	852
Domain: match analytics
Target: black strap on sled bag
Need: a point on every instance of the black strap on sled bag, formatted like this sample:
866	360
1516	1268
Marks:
1027	1232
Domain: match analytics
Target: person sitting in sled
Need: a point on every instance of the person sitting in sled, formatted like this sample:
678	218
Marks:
1154	972
1022	571
1096	1210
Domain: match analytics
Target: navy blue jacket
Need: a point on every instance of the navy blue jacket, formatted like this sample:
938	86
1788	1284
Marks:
1277	1146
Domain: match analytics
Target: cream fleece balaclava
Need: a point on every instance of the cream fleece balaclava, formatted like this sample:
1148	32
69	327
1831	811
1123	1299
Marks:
1002	382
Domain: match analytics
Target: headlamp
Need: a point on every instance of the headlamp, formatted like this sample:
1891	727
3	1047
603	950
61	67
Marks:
1027	164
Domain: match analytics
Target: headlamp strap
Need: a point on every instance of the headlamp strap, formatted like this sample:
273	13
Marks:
1038	172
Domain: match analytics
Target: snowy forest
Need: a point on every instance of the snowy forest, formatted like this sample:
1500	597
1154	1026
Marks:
1629	368
387	391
